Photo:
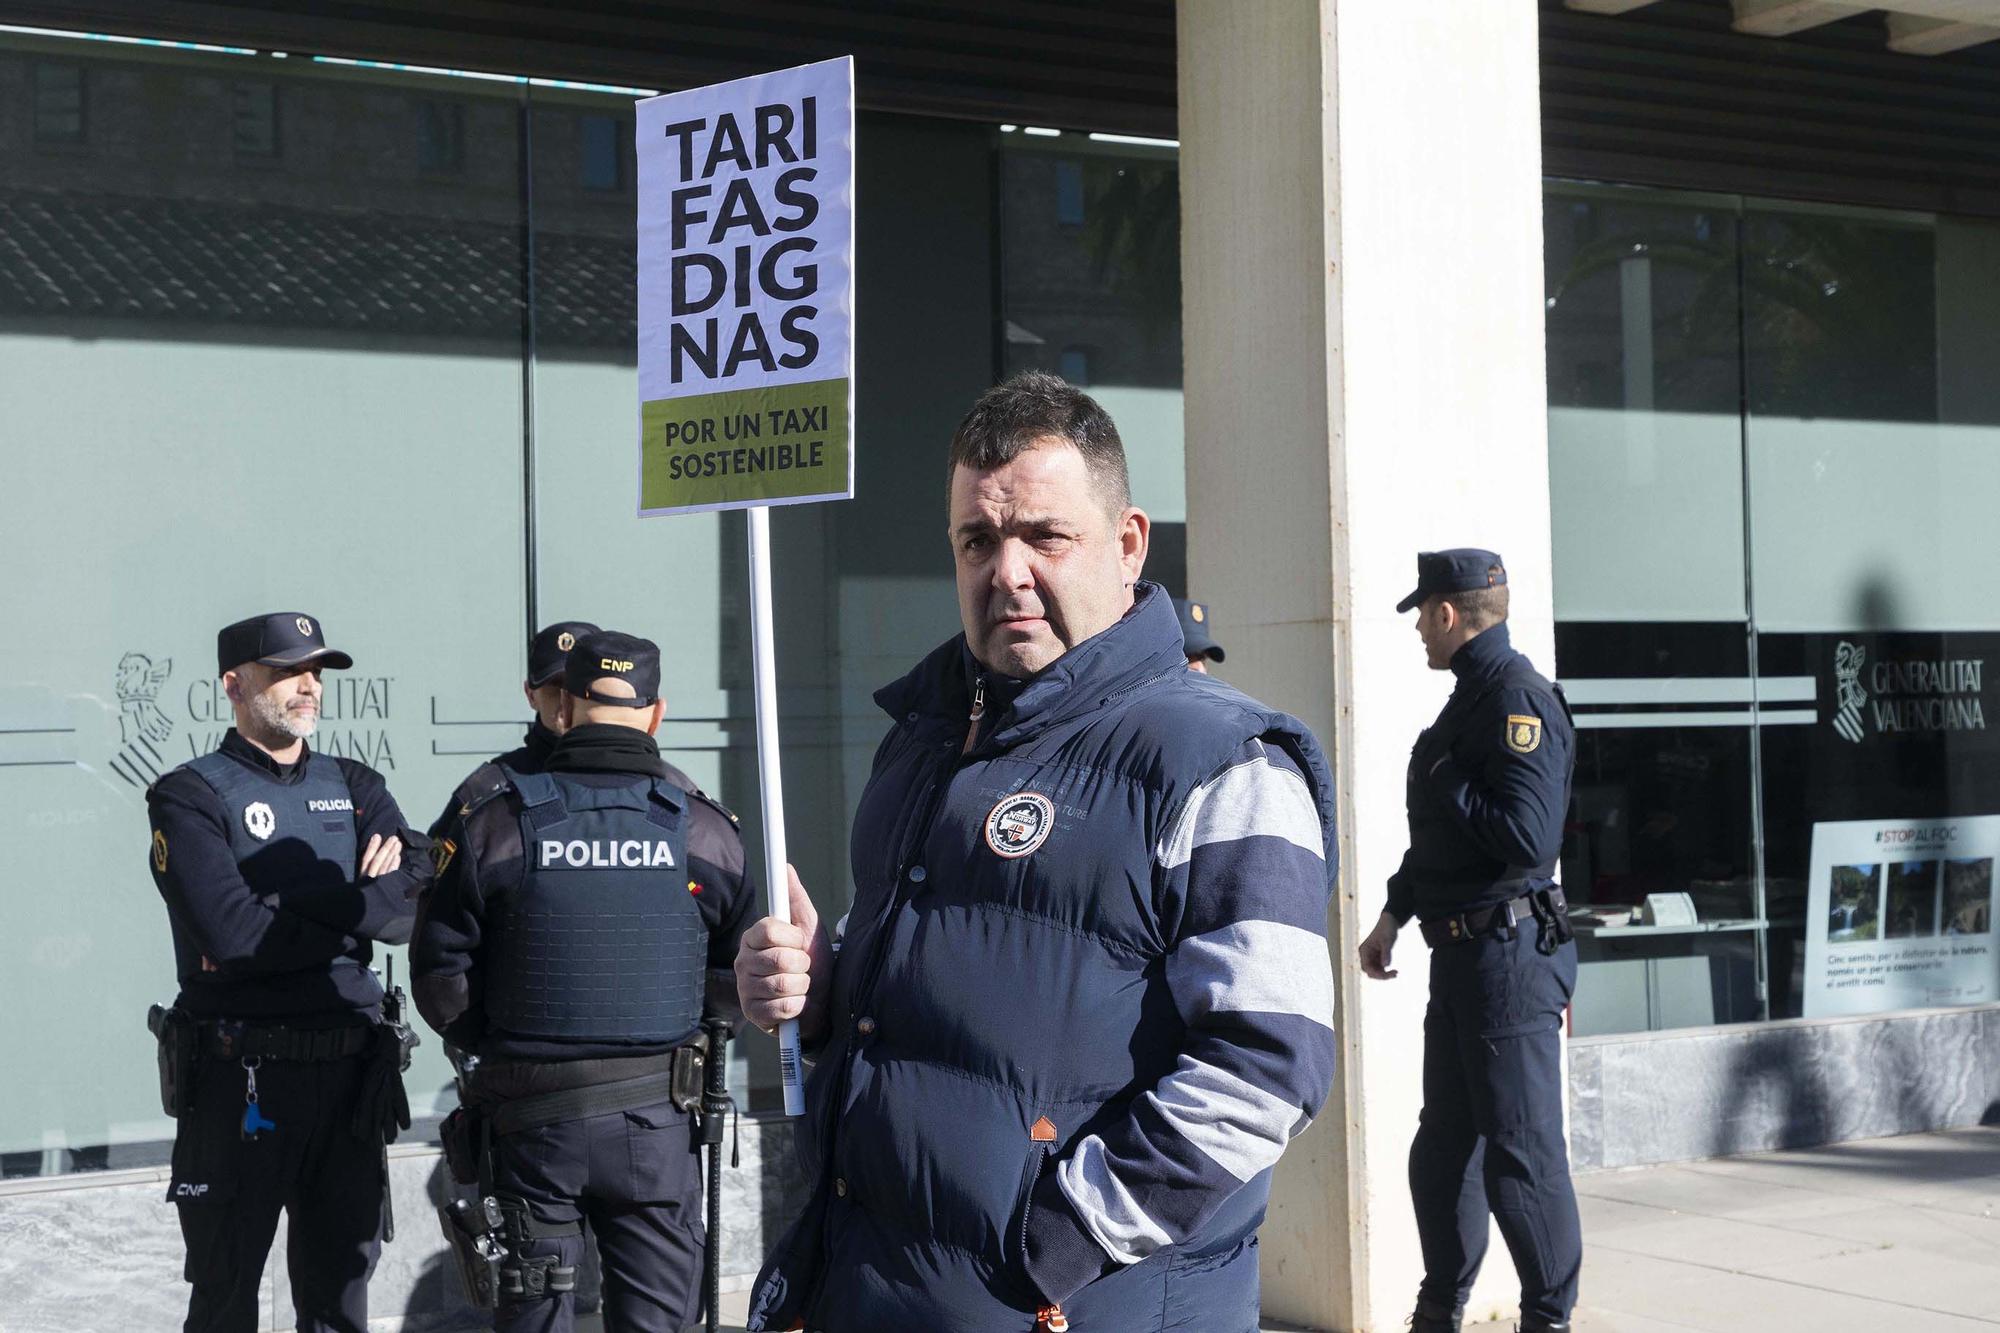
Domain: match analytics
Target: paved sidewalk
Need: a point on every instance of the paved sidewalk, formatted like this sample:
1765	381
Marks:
1899	1235
1888	1236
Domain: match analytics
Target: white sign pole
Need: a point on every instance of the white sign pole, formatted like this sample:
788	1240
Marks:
777	881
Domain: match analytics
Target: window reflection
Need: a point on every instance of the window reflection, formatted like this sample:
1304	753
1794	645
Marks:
1090	291
1770	434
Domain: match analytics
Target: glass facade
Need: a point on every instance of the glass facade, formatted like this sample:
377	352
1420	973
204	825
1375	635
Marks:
1773	431
281	333
290	333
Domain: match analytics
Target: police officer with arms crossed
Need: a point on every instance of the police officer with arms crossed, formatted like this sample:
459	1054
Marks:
548	651
279	865
1488	789
568	944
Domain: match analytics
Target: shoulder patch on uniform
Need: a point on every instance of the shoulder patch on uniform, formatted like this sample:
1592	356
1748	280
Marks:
159	851
442	850
480	786
718	806
1524	733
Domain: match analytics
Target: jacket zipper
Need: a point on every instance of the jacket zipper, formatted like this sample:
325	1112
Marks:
978	713
933	798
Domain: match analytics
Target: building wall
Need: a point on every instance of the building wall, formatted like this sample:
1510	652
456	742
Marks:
1718	1092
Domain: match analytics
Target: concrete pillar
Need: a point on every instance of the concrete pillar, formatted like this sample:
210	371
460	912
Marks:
1362	254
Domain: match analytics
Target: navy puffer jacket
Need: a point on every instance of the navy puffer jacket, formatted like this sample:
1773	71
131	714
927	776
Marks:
1081	1003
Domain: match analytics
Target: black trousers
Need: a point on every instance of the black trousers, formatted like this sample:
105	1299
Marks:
1490	1138
311	1167
635	1178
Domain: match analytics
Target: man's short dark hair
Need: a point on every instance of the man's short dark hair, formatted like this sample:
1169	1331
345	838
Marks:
1013	416
1480	608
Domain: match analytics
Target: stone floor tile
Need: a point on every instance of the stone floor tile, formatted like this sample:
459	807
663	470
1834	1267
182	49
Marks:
1716	1301
1725	1243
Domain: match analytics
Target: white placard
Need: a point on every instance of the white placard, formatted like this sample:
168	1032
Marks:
746	292
1899	915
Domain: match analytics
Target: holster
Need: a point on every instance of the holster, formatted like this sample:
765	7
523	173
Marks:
470	1231
689	1074
179	1039
1551	920
531	1278
463	1133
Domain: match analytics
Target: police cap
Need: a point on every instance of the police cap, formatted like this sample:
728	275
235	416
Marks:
1462	569
548	651
281	638
606	653
1195	629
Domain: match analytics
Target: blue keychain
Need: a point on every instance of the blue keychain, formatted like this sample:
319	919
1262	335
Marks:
253	1115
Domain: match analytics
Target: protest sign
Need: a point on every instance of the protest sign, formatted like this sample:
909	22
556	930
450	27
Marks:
746	292
746	343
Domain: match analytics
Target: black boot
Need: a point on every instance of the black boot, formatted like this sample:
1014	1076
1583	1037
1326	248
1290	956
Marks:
1430	1318
1537	1326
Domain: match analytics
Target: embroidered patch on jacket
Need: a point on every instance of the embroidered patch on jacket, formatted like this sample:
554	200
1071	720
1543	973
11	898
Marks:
441	853
260	819
159	851
1524	734
1020	823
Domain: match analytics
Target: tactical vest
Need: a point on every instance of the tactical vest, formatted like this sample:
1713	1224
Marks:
603	940
289	838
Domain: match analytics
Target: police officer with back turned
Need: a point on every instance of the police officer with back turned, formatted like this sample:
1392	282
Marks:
1487	791
568	946
548	651
280	1058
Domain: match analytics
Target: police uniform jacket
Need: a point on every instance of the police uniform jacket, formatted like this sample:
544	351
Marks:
530	756
257	862
1488	786
1060	1065
483	868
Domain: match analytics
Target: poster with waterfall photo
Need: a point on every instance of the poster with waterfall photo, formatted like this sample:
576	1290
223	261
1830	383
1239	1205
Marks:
1899	915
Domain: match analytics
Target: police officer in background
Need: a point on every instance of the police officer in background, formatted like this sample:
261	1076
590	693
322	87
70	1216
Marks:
1488	788
547	653
1201	647
568	944
279	865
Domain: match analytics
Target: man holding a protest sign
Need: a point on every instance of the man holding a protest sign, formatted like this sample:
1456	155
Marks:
1083	999
581	911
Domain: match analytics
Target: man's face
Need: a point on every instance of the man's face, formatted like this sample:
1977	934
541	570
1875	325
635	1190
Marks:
1433	629
547	701
275	701
1043	562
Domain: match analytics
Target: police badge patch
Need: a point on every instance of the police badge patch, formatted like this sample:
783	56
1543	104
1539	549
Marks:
260	820
159	851
1524	734
1020	823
